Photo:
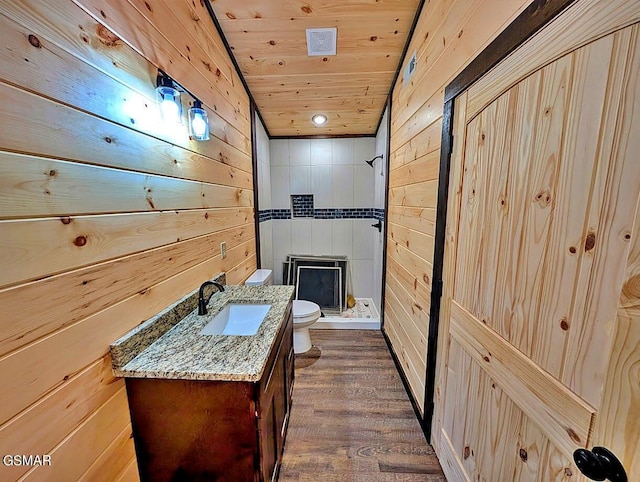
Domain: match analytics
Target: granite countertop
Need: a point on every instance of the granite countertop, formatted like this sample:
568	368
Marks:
170	345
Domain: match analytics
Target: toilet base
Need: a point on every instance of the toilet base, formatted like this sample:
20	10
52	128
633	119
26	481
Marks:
301	340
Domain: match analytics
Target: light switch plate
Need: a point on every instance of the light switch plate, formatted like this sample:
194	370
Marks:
223	249
409	69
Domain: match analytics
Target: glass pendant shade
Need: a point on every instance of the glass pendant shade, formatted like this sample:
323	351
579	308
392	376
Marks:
198	122
169	100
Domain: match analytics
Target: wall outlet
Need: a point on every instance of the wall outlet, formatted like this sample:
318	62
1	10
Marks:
223	249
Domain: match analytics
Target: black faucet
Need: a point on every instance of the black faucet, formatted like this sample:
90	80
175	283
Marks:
202	303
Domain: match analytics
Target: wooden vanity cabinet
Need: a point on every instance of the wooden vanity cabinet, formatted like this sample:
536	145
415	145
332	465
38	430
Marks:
274	402
192	430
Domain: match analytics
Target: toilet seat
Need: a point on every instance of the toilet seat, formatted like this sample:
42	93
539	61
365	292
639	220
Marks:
305	311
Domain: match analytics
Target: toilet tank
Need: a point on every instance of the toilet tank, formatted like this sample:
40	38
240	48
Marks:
260	277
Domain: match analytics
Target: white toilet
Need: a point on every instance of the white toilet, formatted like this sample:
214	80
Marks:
305	313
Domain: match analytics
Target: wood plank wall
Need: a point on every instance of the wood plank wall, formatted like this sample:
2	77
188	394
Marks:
106	215
449	34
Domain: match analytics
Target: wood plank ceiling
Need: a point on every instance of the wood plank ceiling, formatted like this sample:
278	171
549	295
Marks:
268	41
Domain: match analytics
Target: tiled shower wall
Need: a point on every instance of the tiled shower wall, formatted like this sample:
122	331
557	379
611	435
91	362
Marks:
382	140
264	194
343	186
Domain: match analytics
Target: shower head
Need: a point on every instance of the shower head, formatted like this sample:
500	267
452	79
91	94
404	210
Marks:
372	160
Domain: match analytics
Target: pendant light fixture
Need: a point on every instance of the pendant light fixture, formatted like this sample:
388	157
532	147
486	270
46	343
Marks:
168	93
198	122
169	99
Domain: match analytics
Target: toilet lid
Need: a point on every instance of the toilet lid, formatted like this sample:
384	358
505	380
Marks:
302	308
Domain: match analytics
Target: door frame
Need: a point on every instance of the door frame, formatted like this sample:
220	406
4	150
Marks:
538	14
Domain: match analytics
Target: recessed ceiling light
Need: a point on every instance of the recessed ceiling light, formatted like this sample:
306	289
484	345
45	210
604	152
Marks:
319	119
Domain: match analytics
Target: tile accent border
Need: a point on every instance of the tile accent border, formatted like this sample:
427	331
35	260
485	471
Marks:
328	213
343	213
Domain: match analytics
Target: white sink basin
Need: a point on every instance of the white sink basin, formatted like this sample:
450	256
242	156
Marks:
237	319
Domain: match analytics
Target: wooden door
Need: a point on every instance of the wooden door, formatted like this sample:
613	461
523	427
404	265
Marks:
539	349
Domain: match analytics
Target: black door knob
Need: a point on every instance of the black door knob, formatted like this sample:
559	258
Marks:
378	226
599	464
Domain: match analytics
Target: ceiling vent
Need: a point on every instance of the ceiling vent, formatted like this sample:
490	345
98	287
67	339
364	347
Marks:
321	41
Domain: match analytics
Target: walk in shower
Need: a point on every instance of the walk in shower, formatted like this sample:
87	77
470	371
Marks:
324	199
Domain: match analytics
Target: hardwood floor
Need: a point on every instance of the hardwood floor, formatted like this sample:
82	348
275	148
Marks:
351	419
